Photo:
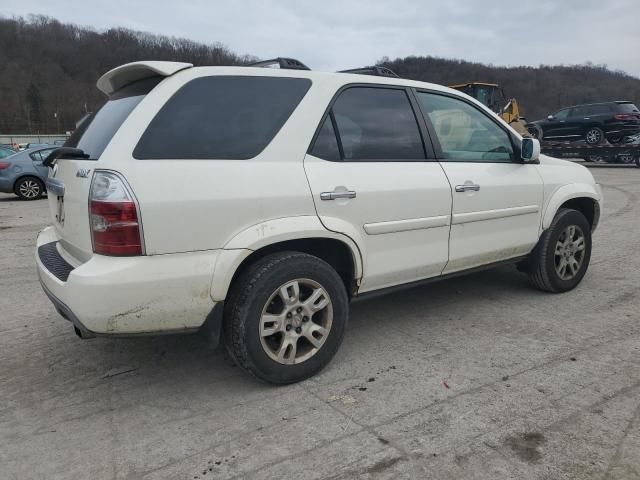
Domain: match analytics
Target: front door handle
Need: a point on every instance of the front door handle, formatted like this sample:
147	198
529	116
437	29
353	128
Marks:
466	187
337	194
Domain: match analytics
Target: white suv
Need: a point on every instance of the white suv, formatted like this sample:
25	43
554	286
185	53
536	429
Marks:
254	203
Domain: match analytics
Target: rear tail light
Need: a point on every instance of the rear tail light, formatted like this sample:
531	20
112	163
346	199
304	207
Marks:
4	165
627	116
115	220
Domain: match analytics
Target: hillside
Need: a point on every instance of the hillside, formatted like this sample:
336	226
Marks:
49	67
49	70
539	91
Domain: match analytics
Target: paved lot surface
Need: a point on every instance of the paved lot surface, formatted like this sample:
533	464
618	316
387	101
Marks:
477	377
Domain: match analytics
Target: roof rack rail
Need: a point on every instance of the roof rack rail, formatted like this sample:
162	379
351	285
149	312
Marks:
372	70
282	62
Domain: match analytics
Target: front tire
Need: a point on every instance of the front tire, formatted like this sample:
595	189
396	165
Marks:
561	258
285	317
29	188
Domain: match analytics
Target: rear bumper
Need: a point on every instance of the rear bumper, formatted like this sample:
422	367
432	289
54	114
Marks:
127	295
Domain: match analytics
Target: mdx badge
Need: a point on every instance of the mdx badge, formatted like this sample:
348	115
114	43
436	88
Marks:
83	172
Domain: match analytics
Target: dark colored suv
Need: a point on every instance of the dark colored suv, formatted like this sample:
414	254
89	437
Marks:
592	123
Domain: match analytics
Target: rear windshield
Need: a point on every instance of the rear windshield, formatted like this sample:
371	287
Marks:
94	134
221	117
627	108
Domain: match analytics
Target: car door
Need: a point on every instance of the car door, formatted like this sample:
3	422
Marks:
558	126
578	122
497	199
373	180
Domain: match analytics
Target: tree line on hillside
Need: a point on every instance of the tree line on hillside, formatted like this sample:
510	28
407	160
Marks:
50	68
539	90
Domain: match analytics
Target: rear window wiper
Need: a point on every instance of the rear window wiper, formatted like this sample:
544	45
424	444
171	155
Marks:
64	152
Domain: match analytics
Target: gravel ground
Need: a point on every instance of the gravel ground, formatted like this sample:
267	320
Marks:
474	377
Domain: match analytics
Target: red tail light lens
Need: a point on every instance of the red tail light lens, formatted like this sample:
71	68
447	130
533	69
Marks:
627	116
115	223
4	165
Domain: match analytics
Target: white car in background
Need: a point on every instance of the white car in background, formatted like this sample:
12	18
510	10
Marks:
256	202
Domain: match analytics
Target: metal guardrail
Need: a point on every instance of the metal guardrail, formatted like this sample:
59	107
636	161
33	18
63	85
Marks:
10	139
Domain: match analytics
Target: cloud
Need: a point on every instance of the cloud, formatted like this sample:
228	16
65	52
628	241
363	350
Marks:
337	34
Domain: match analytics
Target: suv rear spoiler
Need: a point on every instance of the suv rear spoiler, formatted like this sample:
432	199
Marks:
123	75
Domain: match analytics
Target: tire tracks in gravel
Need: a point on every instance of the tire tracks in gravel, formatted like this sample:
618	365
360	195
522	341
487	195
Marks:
631	200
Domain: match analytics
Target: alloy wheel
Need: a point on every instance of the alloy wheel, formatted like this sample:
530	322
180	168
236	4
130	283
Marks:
594	136
296	321
29	189
569	252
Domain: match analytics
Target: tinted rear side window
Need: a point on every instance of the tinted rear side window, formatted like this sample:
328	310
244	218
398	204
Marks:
626	108
221	117
377	124
96	131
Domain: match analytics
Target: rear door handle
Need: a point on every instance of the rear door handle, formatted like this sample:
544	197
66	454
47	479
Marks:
339	194
466	187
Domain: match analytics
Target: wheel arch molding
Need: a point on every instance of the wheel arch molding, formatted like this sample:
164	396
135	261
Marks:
301	233
584	198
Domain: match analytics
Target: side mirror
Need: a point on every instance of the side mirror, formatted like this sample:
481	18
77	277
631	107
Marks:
530	150
550	117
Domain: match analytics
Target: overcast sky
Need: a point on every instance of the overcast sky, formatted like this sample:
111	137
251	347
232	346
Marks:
338	34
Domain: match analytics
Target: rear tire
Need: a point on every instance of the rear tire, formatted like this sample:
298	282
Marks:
594	136
285	317
29	188
561	258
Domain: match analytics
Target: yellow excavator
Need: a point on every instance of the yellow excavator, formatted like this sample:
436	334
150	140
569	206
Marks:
492	95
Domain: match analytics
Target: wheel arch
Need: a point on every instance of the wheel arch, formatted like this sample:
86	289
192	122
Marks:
583	198
302	234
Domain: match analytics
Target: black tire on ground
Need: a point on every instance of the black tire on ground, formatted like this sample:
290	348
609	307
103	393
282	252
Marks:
638	161
29	188
543	259
256	290
594	136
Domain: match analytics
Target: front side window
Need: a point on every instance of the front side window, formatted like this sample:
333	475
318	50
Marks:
221	117
377	124
465	133
561	114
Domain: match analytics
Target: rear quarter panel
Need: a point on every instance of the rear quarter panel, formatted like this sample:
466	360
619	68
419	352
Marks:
189	205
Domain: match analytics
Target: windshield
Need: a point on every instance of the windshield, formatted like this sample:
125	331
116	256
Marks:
94	134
